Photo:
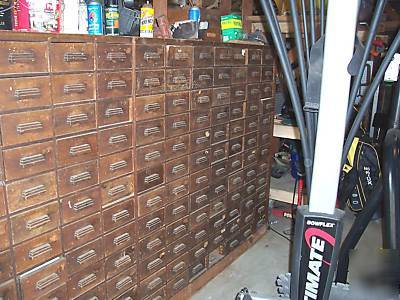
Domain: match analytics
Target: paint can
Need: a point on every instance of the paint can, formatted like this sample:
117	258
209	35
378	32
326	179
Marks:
95	17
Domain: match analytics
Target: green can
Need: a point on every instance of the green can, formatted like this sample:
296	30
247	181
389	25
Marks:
231	27
112	18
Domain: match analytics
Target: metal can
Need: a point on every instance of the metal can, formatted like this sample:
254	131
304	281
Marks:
194	14
95	17
112	19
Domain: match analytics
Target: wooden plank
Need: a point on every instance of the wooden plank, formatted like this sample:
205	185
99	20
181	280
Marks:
247	10
160	8
285	131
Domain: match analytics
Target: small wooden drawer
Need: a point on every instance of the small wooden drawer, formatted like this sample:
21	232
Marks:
203	78
197	268
43	279
150	223
177	125
250	140
220	115
150	82
177	210
219	188
233	199
260	210
178	248
112	112
115	139
199	120
72	179
267	73
263	166
247	206
118	215
115	165
219	152
199	199
267	58
266	91
34	222
114	84
217	223
179	56
265	153
252	108
199	251
236	128
114	56
86	279
251	124
238	93
25	93
150	155
255	56
152	264
223	56
233	213
199	180
223	76
221	96
120	261
199	217
151	244
232	243
119	239
219	170
267	106
72	119
83	257
149	178
249	189
237	110
177	146
121	283
177	284
117	188
25	127
178	79
178	188
253	92
262	181
239	75
176	168
97	292
219	133
178	265
69	88
201	100
71	57
250	157
248	218
149	107
8	290
217	205
235	163
246	233
59	293
200	140
266	123
239	56
203	56
235	181
177	230
80	232
149	56
201	232
176	103
4	239
153	285
76	149
151	201
23	57
149	132
6	267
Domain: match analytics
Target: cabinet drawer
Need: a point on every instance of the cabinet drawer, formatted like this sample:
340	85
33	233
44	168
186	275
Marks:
197	268
115	139
232	213
223	56
236	128
71	57
179	247
26	127
27	161
239	56
178	79
178	188
220	115
176	168
151	223
266	123
217	225
114	84
150	82
199	199
121	283
203	56
177	210
6	268
152	264
177	284
234	198
80	232
117	188
250	140
149	178
31	223
177	266
247	206
86	279
40	281
237	110
267	91
199	251
250	157
149	56
254	74
149	132
177	125
248	218
203	78
267	73
23	57
179	56
254	56
114	56
219	170
75	118
115	165
222	76
264	166
25	93
239	75
111	112
153	285
217	206
177	102
199	180
238	93
59	293
151	244
199	217
8	290
96	293
249	189
235	163
219	152
253	92
177	230
76	149
177	146
219	133
199	120
221	96
118	215
120	261
151	201
75	178
201	100
199	160
149	107
235	181
267	57
199	140
219	188
4	239
267	106
251	124
69	88
119	239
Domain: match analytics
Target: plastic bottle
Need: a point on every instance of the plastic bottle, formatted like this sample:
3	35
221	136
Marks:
83	17
112	18
95	17
146	20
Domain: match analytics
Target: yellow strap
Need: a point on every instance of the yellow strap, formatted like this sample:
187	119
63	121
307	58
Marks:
350	156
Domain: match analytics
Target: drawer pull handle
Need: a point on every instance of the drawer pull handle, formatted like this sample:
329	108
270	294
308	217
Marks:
117	190
40	250
151	55
236	147
124	260
250	189
178	169
201	140
179	189
225	56
152	155
152	178
218	206
179	267
179	210
201	199
255	91
155	263
75	57
153	223
236	111
179	80
219	224
219	152
181	55
266	121
78	88
267	90
116	56
80	149
179	124
261	181
237	180
179	284
116	84
253	125
237	129
201	160
255	57
234	212
153	201
75	179
123	214
47	281
251	157
21	57
248	218
203	99
151	82
199	252
240	93
154	283
152	107
262	195
31	160
255	74
37	222
201	234
118	139
238	56
91	298
218	239
27	93
268	74
235	197
112	112
222	115
251	173
87	280
81	205
76	119
154	244
201	179
179	229
197	268
179	248
252	141
201	217
220	171
202	119
260	222
236	163
121	239
224	76
82	232
219	134
220	189
26	127
178	102
151	131
247	233
86	256
124	282
221	96
179	147
32	192
249	204
261	209
233	244
264	152
204	77
118	165
205	55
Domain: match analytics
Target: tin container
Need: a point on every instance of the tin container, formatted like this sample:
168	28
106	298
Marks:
95	17
112	18
194	14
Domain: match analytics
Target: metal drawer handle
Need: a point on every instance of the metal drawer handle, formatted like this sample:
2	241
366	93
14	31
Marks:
179	210
199	252
247	233
219	189
179	189
86	203
219	152
251	157
76	119
154	283
179	229
261	181
220	171
178	147
179	168
75	179
179	124
117	56
205	55
80	149
91	298
124	282
153	223
27	93
21	57
252	141
236	163
118	165
204	77
261	209
267	56
118	139
124	260
256	57
37	222
179	284
264	152
151	131
237	129
233	244
238	56
268	74
153	201
26	127
237	180
202	119
86	256
78	88
268	106
40	250
179	79
178	102
148	55
219	134
31	160
218	239
153	244
219	223
75	57
201	140
179	267
152	107
116	84
255	91
250	189
32	192
236	111
201	199
82	232
224	76
47	281
236	147
248	218
181	55
235	197
253	125
249	204
87	280
224	56
203	99
152	155
155	263
201	217
255	74
121	239
201	160
221	96
123	214
260	222
151	82
179	248
266	121
251	173
198	268
201	179
201	234
218	206
267	90
234	212
117	190
239	93
262	195
222	115
111	112
152	178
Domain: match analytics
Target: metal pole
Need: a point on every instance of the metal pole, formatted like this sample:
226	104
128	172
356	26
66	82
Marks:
312	22
305	31
322	16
